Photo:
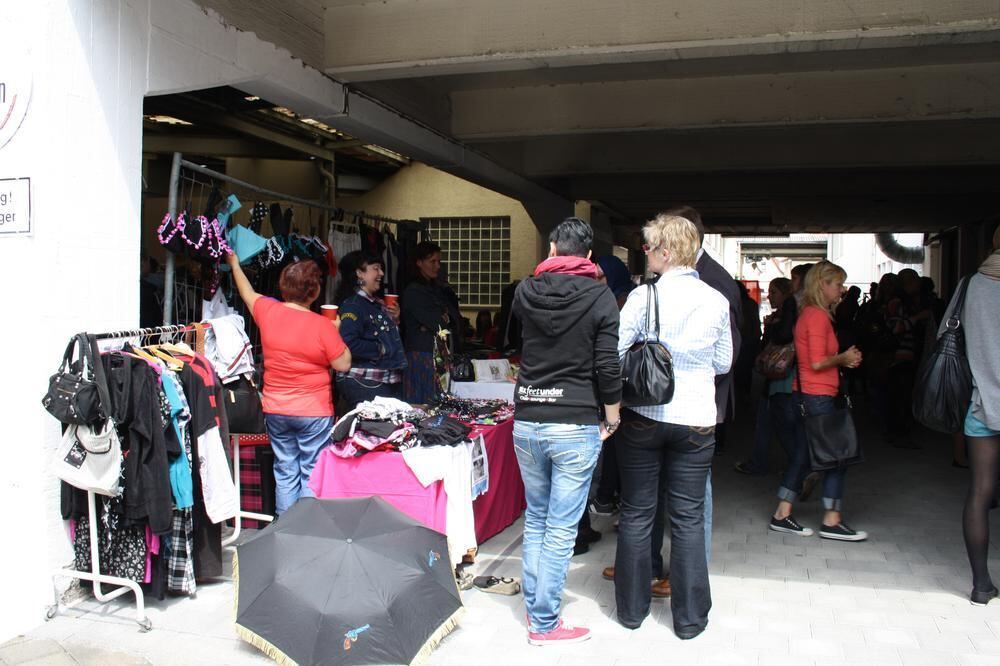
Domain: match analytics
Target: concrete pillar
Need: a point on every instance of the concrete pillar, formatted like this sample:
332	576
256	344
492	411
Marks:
78	269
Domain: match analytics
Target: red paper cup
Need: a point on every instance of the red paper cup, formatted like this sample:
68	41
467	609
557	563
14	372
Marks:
392	300
329	311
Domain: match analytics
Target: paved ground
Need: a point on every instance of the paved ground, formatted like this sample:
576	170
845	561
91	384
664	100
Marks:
899	598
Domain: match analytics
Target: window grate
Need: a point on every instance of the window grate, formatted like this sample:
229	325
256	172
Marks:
476	251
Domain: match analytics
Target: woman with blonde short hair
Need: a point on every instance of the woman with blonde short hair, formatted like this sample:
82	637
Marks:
818	382
671	445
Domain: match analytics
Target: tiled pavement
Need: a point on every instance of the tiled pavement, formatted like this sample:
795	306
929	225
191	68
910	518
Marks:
899	598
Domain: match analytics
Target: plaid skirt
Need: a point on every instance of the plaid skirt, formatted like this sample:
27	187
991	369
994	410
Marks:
420	382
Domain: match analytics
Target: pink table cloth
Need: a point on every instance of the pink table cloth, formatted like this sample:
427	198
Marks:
387	475
382	473
503	503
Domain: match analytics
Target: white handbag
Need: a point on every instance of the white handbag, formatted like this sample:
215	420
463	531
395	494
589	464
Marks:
90	459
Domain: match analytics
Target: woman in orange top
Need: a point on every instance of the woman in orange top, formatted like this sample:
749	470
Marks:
299	348
819	375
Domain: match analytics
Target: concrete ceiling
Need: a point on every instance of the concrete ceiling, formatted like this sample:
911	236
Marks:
770	116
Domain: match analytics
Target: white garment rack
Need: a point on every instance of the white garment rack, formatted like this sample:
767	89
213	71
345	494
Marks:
95	575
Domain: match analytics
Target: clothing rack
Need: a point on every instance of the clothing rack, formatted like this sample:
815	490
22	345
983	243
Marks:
346	217
95	575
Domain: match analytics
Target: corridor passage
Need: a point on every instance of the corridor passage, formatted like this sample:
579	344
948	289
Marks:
899	598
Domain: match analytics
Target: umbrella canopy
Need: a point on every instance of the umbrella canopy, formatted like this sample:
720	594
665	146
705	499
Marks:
345	581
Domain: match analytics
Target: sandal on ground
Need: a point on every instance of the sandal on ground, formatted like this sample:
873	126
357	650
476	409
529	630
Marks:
494	585
464	581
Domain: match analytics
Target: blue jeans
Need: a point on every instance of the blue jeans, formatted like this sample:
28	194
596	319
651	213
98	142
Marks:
799	468
297	441
655	455
557	461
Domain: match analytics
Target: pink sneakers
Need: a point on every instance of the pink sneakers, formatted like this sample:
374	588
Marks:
563	634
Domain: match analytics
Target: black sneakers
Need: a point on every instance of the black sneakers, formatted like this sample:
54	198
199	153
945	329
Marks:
789	525
841	532
603	508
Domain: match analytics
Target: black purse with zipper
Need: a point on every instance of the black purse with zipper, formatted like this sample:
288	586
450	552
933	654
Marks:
78	391
647	367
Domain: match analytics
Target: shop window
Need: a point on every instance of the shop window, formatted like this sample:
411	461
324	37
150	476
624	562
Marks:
476	251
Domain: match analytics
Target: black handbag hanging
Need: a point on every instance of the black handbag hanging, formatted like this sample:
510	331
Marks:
944	383
647	367
78	391
243	407
832	438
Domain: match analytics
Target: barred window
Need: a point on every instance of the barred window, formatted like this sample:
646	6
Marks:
476	251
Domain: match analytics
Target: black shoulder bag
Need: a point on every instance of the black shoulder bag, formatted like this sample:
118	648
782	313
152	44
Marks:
944	384
243	406
647	367
832	438
78	391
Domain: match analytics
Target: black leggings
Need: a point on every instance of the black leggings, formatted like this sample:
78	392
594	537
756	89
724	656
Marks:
984	463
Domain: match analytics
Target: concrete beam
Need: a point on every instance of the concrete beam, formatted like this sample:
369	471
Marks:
932	144
213	145
191	49
411	38
936	92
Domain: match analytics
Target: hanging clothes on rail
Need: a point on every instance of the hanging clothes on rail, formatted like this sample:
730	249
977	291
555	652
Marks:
343	238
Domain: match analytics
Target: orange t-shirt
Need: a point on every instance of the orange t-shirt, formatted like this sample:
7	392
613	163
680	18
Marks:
815	341
298	348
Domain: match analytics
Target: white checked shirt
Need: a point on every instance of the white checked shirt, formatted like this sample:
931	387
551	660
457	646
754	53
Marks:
694	326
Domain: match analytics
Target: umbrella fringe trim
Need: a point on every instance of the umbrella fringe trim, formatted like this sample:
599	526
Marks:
265	646
250	637
432	642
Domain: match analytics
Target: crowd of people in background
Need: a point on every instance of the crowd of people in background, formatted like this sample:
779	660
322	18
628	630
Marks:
571	322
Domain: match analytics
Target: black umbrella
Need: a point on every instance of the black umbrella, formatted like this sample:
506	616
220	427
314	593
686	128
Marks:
345	581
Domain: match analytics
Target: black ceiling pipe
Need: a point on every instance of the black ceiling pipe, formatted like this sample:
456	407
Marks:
896	251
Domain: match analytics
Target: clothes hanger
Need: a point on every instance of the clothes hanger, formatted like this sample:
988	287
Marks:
172	363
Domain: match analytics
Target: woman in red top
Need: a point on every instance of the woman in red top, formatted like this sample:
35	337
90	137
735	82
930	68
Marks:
299	348
819	375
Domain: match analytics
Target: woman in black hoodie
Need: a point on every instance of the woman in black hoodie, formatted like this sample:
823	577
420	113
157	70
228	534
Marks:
569	368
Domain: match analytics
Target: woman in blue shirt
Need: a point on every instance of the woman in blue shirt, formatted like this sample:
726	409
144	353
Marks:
370	329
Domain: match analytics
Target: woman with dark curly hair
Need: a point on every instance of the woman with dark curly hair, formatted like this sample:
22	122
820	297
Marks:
299	349
369	327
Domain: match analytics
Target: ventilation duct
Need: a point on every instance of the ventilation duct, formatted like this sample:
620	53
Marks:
897	251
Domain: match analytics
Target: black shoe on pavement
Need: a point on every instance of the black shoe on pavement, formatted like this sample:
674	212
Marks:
603	508
580	548
982	598
687	633
588	536
841	532
743	467
789	525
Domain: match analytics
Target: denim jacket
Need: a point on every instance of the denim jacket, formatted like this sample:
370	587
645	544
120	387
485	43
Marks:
370	334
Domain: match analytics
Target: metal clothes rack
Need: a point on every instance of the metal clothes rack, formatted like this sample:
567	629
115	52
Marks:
95	575
176	182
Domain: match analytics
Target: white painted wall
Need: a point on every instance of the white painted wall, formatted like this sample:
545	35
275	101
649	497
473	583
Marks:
80	144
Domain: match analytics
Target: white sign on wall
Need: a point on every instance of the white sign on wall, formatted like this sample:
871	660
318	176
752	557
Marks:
15	206
15	93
